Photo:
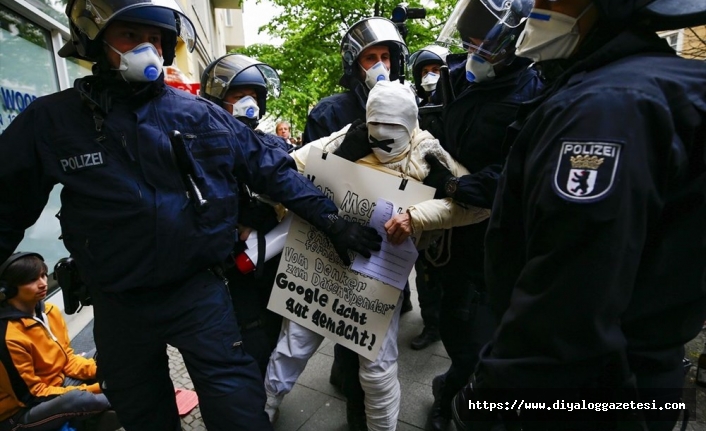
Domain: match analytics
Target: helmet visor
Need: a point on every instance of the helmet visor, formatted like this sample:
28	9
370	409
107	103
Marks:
488	27
368	32
229	67
91	17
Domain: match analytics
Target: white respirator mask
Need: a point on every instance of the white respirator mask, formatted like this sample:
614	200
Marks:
429	81
377	72
388	140
478	69
141	64
245	107
549	35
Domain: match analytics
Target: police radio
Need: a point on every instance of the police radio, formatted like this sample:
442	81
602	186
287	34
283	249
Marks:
73	289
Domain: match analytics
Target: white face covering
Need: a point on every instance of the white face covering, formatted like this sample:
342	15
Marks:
478	69
377	72
245	107
549	35
429	81
140	64
388	140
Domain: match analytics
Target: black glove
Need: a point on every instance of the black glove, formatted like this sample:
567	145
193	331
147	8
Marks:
355	145
346	235
438	176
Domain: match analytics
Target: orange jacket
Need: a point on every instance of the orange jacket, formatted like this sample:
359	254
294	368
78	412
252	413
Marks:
35	357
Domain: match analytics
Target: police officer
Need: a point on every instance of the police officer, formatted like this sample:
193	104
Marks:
426	70
595	250
425	65
241	85
371	50
491	83
149	221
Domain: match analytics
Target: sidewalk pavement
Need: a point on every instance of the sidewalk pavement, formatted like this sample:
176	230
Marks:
314	405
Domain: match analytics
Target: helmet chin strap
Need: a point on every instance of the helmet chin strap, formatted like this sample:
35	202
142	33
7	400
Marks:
250	122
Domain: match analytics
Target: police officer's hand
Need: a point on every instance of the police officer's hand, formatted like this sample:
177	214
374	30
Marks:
345	235
355	144
438	176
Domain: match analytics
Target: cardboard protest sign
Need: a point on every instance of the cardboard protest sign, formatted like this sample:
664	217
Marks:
312	287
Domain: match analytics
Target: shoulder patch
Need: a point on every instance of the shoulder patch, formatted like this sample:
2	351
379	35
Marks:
585	171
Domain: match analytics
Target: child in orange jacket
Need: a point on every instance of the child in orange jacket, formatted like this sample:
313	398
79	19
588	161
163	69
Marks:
43	384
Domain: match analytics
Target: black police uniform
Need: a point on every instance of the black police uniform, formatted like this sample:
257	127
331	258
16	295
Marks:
142	244
475	124
595	250
428	277
250	293
334	112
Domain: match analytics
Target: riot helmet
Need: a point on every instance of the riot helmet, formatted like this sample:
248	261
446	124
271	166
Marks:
236	71
431	54
88	19
366	33
487	29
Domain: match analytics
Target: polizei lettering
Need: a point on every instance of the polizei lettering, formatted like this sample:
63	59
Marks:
82	161
590	148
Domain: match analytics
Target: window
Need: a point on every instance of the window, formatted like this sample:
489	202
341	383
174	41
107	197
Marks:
77	68
26	65
27	71
674	39
53	8
229	18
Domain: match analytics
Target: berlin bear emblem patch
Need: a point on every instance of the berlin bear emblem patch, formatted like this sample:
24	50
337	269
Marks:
586	171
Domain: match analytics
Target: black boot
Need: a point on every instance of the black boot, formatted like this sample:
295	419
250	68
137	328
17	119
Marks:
355	416
406	302
429	335
440	416
335	378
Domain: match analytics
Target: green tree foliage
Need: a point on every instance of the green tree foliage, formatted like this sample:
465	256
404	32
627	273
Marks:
309	60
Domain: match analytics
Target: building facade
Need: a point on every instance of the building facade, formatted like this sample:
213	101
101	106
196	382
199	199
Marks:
688	42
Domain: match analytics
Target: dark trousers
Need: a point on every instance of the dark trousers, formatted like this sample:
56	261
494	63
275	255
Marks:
429	289
463	336
466	321
259	326
132	330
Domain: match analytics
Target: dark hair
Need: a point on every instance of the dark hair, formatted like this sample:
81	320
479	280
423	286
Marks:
24	270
